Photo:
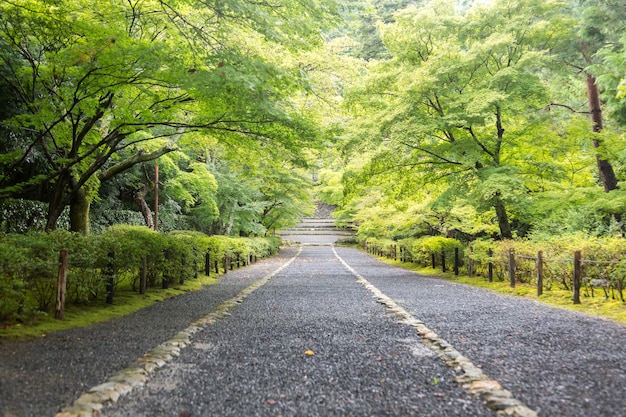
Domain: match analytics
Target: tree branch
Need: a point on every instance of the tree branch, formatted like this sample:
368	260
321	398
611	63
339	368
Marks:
134	160
570	108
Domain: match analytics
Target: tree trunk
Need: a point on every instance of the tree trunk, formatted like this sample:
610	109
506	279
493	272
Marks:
229	225
140	198
605	169
57	201
79	212
503	218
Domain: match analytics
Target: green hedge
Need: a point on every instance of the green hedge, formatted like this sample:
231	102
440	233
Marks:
29	263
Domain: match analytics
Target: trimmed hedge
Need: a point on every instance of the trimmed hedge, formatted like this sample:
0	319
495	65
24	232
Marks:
29	263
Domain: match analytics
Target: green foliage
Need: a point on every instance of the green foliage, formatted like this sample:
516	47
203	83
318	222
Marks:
105	86
29	263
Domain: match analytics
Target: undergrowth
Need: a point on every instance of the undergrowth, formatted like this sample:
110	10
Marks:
126	302
599	305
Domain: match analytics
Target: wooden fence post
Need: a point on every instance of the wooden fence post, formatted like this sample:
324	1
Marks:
577	276
110	274
456	261
470	262
443	260
207	264
143	275
61	285
490	266
539	273
512	267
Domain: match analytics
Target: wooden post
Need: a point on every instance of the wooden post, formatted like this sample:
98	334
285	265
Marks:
512	267
432	260
143	275
577	276
456	261
443	261
207	264
225	264
490	266
470	262
539	273
61	285
217	266
110	274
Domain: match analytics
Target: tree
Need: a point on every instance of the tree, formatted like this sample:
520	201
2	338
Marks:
596	25
94	79
460	94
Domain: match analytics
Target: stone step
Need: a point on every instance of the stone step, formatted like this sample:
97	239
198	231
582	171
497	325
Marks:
314	233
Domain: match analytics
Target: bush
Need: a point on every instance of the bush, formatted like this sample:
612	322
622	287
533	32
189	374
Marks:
29	263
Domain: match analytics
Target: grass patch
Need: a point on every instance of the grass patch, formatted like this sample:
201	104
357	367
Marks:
597	306
125	302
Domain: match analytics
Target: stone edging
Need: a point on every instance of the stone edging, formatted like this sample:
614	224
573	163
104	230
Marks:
471	378
93	401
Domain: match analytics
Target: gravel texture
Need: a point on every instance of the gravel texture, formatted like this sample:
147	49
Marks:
558	362
39	377
311	342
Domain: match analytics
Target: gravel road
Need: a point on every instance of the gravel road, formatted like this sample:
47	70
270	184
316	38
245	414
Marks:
39	377
557	362
313	341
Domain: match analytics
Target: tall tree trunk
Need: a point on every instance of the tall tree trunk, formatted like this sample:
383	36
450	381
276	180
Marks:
79	212
140	198
503	218
58	200
605	169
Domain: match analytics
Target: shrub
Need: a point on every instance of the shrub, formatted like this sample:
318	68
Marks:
29	263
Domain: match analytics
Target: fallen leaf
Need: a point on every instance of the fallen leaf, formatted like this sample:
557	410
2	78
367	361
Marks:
270	402
378	359
309	352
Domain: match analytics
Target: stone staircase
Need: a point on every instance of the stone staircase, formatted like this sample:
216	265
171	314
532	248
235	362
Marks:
316	231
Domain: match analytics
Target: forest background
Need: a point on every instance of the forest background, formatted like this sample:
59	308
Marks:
434	124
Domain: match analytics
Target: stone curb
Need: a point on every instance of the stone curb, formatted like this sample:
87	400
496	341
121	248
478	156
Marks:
93	401
471	378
